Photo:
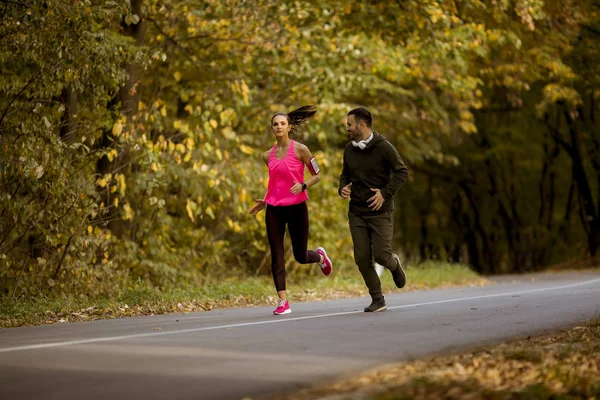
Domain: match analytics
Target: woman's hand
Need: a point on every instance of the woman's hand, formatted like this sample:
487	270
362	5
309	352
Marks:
297	188
258	206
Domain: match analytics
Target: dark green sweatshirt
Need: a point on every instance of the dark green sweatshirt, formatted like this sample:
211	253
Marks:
378	166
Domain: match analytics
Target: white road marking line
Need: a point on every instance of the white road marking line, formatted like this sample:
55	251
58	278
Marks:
275	321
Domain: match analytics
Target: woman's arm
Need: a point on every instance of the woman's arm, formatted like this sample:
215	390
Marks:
303	154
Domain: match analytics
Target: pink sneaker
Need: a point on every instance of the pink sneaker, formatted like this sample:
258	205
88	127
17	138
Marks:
327	266
282	308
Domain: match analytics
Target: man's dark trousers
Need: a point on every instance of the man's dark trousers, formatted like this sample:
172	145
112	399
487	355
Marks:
372	238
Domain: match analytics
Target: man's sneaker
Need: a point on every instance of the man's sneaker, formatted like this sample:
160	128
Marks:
376	305
282	308
398	274
326	266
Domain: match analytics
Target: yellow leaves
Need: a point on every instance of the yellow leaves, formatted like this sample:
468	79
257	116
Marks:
129	214
227	116
117	128
555	92
191	207
438	14
246	149
228	133
102	182
466	115
111	155
210	212
180	126
241	87
305	47
467	127
177	76
492	35
235	225
213	123
243	195
190	144
163	111
121	183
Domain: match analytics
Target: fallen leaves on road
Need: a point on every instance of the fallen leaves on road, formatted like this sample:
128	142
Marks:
560	366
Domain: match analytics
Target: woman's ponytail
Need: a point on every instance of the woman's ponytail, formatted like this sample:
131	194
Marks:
297	118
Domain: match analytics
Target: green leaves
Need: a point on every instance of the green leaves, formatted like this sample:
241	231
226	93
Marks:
146	119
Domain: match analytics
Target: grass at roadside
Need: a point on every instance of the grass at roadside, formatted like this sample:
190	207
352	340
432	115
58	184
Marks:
252	291
558	366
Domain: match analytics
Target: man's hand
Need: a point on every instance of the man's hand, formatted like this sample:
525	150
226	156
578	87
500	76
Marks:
346	190
258	206
376	201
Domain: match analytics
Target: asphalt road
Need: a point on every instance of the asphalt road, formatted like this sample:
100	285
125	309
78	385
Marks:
237	353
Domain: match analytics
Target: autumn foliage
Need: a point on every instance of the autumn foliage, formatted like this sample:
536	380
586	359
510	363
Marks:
131	132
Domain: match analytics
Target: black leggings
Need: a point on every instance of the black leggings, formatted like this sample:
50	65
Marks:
296	217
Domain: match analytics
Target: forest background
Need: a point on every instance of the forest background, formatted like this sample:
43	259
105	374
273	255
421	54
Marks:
131	133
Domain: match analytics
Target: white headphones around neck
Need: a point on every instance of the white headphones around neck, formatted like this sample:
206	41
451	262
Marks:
363	143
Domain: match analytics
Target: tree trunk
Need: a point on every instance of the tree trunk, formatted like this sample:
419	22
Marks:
128	97
68	123
589	215
486	254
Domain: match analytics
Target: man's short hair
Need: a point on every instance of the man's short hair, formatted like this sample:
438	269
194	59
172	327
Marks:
362	114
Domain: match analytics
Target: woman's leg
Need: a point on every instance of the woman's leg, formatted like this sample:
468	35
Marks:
298	225
275	223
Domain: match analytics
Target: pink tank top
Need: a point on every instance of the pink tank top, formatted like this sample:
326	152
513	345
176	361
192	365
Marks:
282	174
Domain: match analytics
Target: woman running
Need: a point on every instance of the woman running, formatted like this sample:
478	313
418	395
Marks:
286	198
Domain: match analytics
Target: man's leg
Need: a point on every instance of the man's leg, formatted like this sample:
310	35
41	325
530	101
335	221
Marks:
382	226
363	256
